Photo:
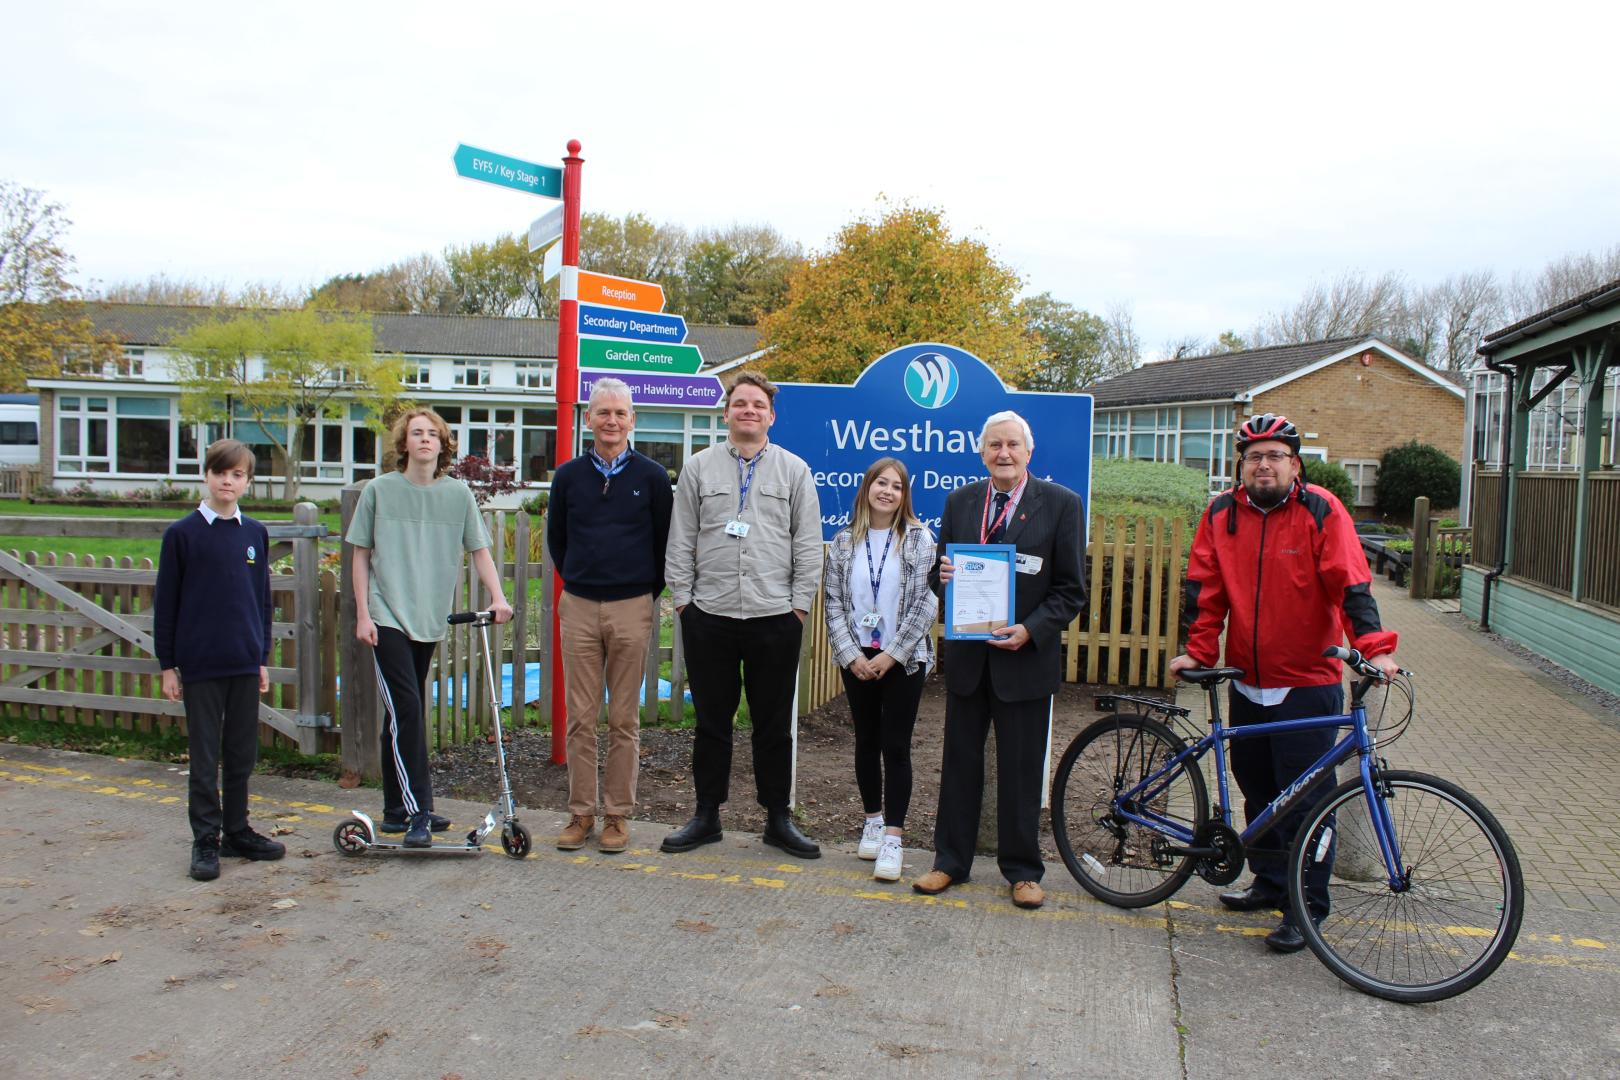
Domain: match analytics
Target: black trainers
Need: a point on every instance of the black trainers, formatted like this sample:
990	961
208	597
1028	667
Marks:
248	844
392	824
418	835
205	858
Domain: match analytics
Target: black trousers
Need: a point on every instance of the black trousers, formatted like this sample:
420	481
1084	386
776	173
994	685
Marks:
1265	766
222	728
885	712
402	670
725	658
1020	753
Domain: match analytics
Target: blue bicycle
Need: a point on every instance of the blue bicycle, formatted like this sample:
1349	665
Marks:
1424	886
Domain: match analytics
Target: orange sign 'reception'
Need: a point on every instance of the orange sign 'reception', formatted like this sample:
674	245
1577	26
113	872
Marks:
620	292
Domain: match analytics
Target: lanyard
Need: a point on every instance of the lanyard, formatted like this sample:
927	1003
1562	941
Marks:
610	469
744	483
876	579
985	527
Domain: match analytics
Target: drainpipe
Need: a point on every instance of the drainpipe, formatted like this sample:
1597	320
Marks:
1507	463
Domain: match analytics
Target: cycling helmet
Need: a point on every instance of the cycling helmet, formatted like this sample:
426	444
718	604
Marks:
1267	426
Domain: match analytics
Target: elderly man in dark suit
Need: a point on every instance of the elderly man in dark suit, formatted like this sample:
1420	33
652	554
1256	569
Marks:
1009	680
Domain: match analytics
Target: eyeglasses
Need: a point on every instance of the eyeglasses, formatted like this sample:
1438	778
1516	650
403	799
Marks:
1274	457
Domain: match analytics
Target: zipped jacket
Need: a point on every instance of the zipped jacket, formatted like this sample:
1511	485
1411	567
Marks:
1287	583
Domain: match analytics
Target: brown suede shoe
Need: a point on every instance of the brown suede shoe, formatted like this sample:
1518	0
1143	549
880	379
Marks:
932	883
1028	894
614	836
573	837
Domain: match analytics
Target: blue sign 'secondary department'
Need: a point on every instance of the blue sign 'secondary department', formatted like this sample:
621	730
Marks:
924	404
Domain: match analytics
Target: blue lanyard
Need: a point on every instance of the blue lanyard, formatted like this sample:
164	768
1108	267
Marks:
876	579
609	469
744	483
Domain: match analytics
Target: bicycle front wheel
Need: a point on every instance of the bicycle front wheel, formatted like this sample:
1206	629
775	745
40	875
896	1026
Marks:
1458	913
1115	859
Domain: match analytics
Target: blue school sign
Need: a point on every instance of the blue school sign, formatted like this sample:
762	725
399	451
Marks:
924	404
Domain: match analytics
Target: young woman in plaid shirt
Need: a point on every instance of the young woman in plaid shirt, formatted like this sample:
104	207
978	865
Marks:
880	612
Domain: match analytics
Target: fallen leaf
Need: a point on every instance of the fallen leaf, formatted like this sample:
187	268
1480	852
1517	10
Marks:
150	1055
379	1037
592	1029
842	928
285	904
698	927
111	958
834	990
282	830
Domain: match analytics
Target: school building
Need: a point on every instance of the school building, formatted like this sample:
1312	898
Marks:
119	426
1351	398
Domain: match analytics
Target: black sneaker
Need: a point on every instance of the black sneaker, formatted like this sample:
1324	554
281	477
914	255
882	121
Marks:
248	844
205	858
392	824
418	835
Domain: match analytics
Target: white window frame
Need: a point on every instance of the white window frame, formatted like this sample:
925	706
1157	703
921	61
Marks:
1363	477
473	373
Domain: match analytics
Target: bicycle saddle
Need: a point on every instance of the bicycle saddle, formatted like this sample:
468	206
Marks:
1208	676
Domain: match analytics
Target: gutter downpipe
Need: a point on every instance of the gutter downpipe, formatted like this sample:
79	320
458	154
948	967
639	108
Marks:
1507	465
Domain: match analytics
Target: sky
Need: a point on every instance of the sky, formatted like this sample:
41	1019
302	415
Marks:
1202	165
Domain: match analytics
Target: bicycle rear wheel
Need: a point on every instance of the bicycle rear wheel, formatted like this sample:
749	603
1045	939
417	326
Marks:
1114	859
1459	914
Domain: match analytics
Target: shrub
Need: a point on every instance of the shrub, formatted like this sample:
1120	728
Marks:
1405	472
486	479
1122	485
82	490
168	491
535	505
1333	477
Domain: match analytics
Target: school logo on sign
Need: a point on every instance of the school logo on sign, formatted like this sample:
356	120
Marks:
932	381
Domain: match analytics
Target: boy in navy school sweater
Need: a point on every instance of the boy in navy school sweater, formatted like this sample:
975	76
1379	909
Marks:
211	625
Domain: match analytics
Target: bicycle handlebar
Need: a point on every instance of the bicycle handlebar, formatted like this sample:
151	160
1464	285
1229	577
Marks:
480	618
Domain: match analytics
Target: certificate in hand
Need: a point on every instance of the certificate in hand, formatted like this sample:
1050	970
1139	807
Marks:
979	596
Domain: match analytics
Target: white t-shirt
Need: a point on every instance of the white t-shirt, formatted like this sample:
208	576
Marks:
886	602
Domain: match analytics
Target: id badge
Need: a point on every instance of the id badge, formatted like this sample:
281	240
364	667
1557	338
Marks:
738	529
871	620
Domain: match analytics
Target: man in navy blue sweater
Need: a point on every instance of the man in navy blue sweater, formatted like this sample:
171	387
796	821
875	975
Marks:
211	627
607	525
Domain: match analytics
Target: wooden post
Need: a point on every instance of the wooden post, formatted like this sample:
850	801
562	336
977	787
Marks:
307	629
1416	588
361	719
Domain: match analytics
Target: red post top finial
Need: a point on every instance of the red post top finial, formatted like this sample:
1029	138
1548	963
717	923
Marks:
573	147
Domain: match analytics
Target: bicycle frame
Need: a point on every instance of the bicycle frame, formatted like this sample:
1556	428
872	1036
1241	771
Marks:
1132	803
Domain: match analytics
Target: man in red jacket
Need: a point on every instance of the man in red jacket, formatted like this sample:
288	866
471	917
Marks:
1276	562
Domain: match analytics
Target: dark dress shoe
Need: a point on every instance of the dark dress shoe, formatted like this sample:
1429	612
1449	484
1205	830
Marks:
781	832
248	844
704	828
1254	898
1286	938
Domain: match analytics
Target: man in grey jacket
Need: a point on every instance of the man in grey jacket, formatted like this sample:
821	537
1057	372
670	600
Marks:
743	566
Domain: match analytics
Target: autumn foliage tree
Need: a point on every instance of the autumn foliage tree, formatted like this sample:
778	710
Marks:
888	282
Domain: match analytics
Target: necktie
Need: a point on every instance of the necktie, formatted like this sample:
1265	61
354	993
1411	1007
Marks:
998	523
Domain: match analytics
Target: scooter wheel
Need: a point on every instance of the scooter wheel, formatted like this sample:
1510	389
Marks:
351	838
515	840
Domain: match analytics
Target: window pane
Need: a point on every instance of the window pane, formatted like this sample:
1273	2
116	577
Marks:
539	454
1196	416
68	437
539	417
332	443
651	421
1142	447
128	406
98	438
143	446
365	445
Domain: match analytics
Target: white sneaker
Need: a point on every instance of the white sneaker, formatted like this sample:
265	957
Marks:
890	860
871	838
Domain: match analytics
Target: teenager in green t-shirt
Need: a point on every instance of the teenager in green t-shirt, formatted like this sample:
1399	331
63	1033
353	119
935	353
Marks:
409	532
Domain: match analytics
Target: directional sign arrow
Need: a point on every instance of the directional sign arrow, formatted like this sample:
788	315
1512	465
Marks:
617	355
632	325
546	229
648	388
620	292
476	164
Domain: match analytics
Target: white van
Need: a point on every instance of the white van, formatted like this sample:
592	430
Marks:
19	429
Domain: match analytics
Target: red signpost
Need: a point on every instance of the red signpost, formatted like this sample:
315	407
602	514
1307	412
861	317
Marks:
567	384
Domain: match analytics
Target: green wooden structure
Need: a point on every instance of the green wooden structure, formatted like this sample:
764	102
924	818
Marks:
1547	540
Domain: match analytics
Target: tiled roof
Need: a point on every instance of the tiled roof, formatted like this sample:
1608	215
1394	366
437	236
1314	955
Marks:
1573	302
417	335
1211	378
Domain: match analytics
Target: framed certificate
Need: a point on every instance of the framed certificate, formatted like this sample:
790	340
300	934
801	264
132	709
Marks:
979	596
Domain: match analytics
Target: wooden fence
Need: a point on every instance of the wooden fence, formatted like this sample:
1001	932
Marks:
75	635
77	644
18	481
1602	582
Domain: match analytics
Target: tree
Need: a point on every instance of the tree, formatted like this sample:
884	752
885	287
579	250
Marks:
1414	469
1562	279
417	285
281	369
1184	346
1122	349
1352	305
162	289
898	279
737	275
1229	342
1073	341
41	320
498	278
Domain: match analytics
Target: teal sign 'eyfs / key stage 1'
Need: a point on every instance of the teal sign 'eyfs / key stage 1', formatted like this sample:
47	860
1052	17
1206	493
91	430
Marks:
492	168
924	404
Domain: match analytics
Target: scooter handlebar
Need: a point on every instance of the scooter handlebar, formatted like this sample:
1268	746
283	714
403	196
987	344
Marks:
478	618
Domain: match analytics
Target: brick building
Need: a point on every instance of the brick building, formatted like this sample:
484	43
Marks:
1352	399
